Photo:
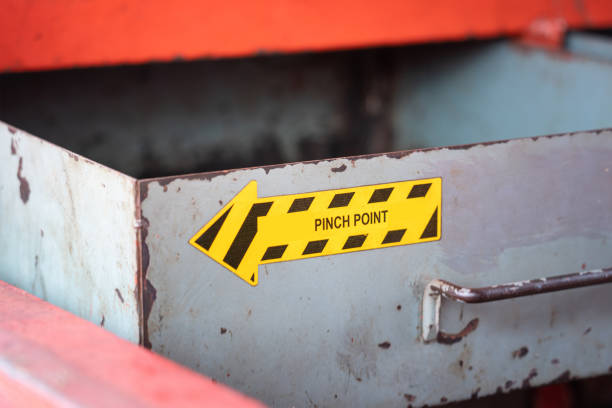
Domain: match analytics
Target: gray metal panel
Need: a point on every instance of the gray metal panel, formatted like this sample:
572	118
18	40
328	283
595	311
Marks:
492	91
315	331
595	46
68	231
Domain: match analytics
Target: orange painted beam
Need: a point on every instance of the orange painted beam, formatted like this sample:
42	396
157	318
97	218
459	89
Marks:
43	34
51	358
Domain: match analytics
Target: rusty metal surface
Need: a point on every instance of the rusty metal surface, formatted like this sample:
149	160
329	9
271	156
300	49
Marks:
438	289
68	231
525	288
345	330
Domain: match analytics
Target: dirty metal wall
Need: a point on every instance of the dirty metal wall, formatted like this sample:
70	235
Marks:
163	119
498	91
344	330
68	231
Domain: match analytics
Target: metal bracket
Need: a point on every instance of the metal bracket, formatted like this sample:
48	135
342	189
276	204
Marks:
437	289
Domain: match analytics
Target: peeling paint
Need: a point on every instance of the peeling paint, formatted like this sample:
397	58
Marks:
409	397
24	186
119	295
452	338
520	353
527	381
339	169
563	378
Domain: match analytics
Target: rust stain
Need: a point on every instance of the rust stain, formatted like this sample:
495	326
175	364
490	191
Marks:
13	147
452	338
24	186
147	292
563	378
399	307
11	129
385	345
554	361
102	321
527	381
223	330
520	353
144	190
164	183
119	294
409	397
73	156
443	400
339	169
149	296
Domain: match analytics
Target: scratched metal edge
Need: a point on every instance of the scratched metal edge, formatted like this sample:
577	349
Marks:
165	180
70	153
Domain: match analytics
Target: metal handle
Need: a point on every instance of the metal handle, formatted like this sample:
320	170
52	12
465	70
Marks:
437	288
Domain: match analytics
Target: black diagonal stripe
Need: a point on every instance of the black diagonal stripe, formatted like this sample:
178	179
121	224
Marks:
431	230
274	252
380	195
419	190
301	204
354	241
341	200
394	236
245	235
206	239
314	247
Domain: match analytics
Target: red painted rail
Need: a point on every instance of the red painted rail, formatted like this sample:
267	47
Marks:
43	34
50	358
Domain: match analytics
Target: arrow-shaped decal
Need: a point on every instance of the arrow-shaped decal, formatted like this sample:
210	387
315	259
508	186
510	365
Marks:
250	231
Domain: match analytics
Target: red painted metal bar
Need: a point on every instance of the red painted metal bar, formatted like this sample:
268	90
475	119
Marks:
42	34
49	357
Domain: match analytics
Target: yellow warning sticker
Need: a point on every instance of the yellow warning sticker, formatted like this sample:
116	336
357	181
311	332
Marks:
250	231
